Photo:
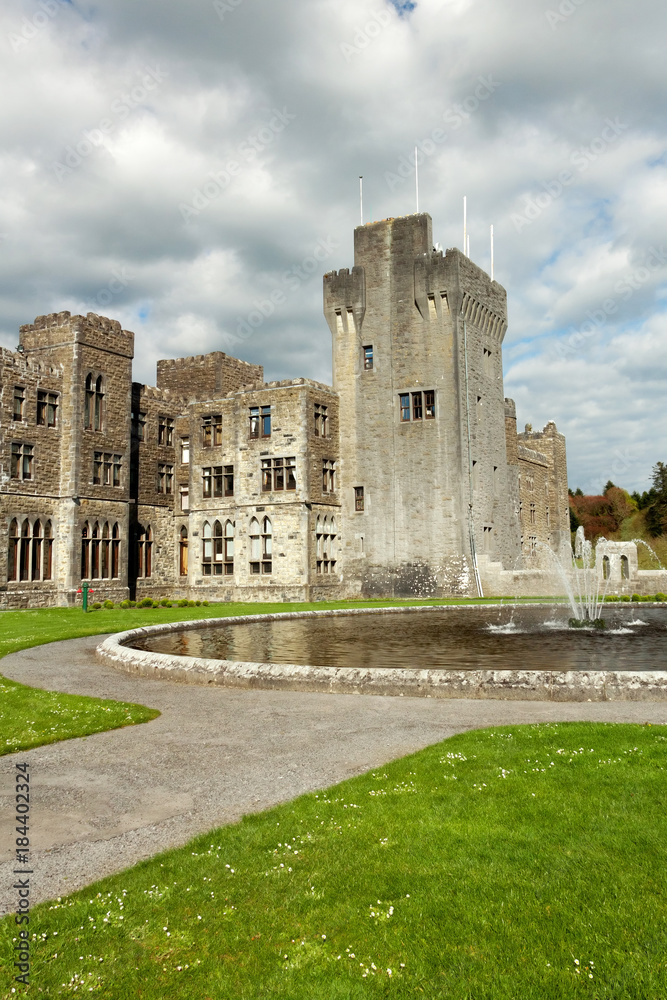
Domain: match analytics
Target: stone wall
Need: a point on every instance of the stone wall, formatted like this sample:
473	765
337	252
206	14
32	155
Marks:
434	323
206	374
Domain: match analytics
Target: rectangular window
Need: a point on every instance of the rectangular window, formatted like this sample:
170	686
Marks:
217	480
260	421
97	468
207	482
321	421
278	474
417	405
328	475
533	511
185	450
229	480
358	498
47	408
185	498
165	478
22	460
106	469
19	402
117	459
368	357
165	431
139	426
211	430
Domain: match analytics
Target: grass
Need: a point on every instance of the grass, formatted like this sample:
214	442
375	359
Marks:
516	863
30	717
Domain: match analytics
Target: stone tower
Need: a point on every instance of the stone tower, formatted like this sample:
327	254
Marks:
417	364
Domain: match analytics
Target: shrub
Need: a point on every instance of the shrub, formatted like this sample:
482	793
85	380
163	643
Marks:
109	604
165	603
124	605
96	606
145	602
612	597
183	602
191	604
198	603
625	597
205	603
661	597
636	597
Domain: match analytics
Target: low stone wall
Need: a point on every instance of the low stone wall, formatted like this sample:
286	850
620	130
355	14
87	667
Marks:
523	685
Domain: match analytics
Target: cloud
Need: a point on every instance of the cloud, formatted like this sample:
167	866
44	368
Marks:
154	106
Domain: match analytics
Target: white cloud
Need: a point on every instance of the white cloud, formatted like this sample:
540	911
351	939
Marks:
360	81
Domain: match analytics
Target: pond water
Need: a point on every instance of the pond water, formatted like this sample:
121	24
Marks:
523	638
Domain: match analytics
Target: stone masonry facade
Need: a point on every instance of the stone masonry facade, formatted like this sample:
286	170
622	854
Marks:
407	477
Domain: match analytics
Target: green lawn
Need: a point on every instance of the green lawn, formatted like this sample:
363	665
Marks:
517	863
30	717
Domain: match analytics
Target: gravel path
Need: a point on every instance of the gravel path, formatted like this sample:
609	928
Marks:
104	802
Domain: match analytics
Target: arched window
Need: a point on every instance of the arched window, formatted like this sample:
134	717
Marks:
93	405
85	552
99	404
36	557
104	552
13	551
326	534
625	568
144	551
29	551
267	546
88	404
229	548
606	567
24	557
115	551
207	549
95	553
217	548
254	546
47	560
183	553
318	538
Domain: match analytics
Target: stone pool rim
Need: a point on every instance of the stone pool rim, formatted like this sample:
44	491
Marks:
523	685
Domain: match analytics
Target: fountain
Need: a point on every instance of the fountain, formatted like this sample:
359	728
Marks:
582	582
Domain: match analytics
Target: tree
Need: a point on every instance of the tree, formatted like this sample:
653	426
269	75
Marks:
659	479
656	515
609	486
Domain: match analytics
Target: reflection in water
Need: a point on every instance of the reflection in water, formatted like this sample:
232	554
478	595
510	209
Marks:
454	639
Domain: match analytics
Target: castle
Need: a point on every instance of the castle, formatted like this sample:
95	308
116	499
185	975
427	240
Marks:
405	478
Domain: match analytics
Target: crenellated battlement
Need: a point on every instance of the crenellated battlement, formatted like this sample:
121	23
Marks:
203	375
58	329
27	366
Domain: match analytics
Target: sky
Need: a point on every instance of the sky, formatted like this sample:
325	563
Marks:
172	163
